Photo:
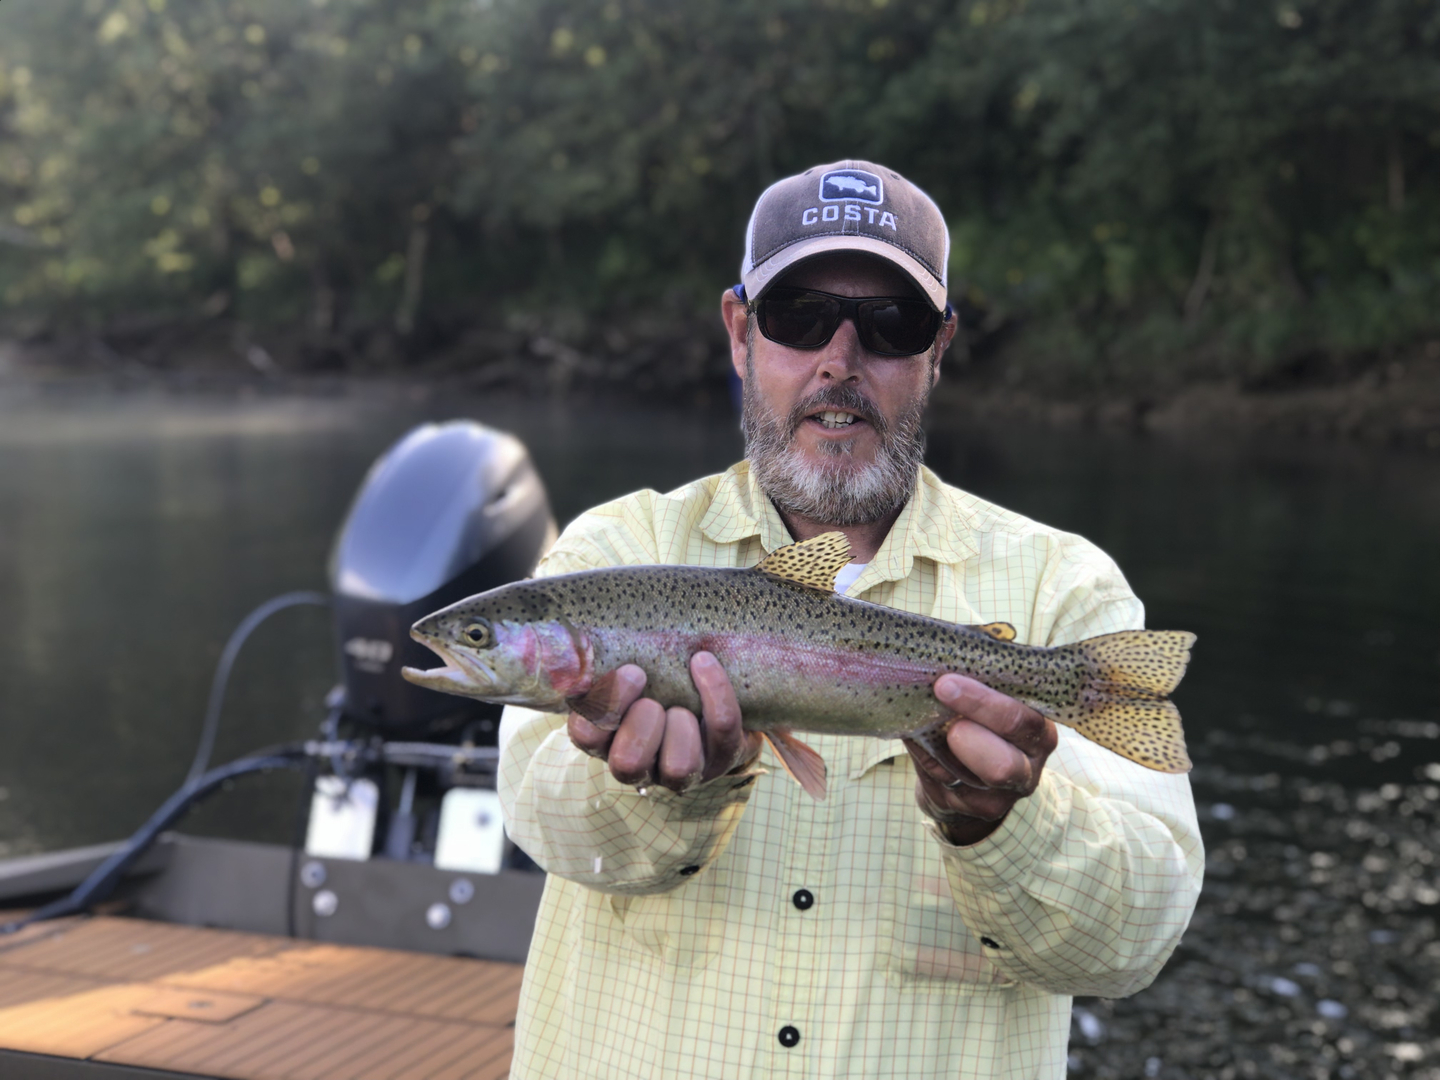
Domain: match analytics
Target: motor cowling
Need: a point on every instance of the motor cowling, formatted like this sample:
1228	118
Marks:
450	510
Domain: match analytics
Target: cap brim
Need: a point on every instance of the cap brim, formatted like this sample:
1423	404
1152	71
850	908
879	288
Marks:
763	276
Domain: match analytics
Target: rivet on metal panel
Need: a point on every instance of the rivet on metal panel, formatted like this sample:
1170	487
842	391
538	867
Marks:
437	916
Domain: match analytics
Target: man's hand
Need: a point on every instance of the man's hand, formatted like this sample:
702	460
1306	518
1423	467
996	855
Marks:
670	747
1000	744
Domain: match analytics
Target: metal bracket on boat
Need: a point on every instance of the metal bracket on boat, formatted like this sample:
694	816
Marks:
475	762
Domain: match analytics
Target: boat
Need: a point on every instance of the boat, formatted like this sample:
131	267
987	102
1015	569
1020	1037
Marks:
391	942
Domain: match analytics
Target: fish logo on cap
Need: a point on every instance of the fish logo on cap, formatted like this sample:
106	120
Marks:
852	185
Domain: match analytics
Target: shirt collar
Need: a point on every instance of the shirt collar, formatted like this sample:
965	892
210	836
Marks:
934	524
741	510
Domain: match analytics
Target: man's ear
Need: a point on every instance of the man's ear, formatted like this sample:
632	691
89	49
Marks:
942	341
736	316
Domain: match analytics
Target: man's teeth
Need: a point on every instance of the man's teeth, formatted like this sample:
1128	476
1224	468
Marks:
833	419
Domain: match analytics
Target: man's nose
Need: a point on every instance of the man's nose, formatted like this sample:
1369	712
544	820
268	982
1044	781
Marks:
840	358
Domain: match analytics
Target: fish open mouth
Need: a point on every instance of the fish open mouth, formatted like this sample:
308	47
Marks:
448	680
453	678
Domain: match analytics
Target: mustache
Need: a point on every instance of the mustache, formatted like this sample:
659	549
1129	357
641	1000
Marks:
839	396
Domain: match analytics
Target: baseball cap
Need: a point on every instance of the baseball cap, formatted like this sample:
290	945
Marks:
847	206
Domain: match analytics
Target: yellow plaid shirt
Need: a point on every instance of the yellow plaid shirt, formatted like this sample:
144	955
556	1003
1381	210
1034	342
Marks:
679	935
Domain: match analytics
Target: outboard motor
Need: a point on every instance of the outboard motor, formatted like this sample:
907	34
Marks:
451	510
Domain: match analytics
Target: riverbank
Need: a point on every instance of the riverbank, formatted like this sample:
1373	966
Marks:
1394	402
1397	405
1313	949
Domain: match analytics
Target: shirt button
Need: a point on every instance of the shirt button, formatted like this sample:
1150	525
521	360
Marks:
686	871
789	1036
803	899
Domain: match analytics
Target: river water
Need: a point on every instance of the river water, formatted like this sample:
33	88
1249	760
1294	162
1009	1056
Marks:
137	529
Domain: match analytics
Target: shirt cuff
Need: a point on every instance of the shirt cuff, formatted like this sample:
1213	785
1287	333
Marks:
707	800
1030	833
679	833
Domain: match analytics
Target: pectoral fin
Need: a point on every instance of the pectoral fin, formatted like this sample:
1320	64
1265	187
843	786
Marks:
803	764
601	705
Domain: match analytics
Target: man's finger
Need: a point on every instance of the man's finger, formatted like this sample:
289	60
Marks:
1012	720
628	685
998	763
594	737
585	735
682	757
942	771
961	803
966	816
724	738
637	743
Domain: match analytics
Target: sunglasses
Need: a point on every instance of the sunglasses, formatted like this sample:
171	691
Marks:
808	319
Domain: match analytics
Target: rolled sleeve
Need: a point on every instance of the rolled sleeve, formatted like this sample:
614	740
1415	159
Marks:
1079	892
569	814
1088	884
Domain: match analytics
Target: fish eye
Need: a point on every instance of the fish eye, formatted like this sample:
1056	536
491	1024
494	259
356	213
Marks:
478	634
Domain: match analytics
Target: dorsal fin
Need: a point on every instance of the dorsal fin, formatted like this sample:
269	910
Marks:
812	563
1000	631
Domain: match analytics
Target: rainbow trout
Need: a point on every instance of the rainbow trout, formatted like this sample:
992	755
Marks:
801	657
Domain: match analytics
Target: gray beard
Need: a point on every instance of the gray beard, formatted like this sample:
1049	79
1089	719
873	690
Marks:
836	491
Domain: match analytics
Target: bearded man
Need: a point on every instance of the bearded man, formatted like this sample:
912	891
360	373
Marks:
930	918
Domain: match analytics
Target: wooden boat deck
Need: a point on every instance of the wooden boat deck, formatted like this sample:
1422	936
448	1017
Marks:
218	1003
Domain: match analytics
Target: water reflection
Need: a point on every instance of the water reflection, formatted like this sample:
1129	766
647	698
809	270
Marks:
135	533
139	529
1307	571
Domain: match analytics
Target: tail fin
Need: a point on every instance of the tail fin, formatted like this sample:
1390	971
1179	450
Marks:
1122	700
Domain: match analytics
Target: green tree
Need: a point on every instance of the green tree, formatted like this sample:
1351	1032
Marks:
1141	190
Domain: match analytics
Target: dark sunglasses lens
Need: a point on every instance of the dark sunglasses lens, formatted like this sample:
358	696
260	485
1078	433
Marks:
798	318
898	327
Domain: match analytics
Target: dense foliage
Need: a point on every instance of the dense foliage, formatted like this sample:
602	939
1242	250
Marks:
1146	189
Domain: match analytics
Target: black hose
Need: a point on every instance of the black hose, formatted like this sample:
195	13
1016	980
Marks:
211	725
103	879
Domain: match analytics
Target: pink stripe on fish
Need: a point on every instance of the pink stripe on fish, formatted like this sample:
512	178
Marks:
777	652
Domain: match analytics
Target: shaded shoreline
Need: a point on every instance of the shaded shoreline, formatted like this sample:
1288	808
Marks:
1392	404
1395	406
